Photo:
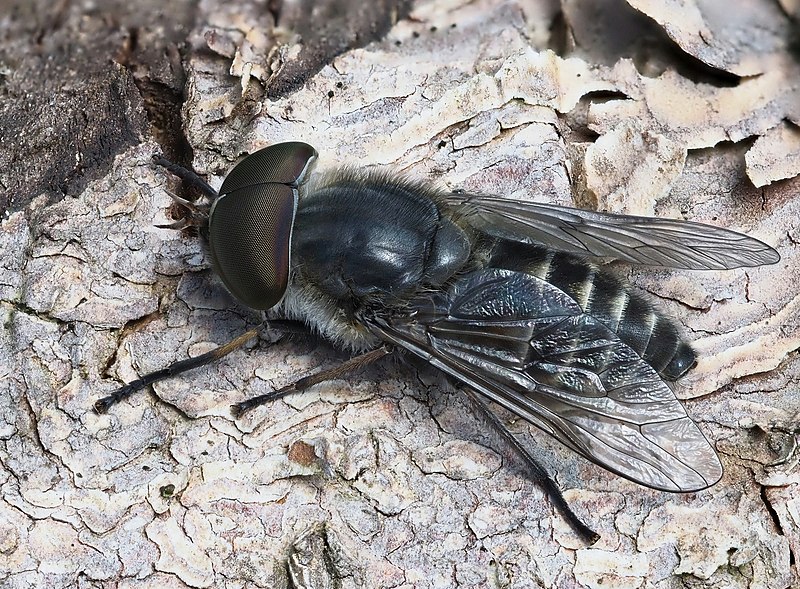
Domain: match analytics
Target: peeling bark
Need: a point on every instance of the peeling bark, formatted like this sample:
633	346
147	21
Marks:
386	478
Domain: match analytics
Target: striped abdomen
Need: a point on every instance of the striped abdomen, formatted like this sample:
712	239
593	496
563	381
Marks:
606	298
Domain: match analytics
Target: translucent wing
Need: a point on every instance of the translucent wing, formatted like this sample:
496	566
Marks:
526	345
640	240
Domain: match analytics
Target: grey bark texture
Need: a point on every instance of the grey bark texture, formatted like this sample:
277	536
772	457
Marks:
385	478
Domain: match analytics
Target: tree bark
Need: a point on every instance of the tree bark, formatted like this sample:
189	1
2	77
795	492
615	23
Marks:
385	478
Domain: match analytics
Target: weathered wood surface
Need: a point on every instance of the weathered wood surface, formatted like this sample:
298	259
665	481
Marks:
641	108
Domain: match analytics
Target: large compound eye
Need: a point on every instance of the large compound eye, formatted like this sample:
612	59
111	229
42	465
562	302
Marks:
250	234
284	163
250	224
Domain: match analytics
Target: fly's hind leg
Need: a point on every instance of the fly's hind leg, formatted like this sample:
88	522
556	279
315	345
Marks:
537	471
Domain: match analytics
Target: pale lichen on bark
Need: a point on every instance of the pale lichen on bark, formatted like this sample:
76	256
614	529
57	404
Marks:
385	479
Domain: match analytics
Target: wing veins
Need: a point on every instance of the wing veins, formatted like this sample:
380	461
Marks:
554	419
596	395
642	240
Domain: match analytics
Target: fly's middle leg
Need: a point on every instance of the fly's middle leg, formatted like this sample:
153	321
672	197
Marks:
312	379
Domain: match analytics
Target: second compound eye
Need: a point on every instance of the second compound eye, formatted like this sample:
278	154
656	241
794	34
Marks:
249	235
283	163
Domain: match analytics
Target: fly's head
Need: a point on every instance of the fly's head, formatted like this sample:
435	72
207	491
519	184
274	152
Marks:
250	223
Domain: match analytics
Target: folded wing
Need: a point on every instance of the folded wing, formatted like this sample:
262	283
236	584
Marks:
639	240
527	346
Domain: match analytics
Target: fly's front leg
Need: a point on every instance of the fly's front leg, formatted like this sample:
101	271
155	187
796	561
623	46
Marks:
198	211
188	176
102	405
312	379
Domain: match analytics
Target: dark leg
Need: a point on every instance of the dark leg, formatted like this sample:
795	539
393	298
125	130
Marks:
102	405
309	381
187	176
538	473
292	326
